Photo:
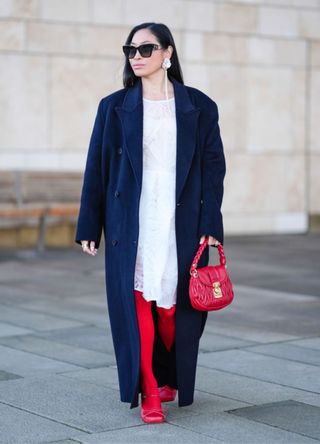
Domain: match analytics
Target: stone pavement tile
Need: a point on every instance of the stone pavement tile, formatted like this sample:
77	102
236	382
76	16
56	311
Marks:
28	364
148	433
289	415
246	331
266	298
213	342
266	368
313	343
33	320
19	426
72	308
205	403
232	429
12	330
56	286
10	295
278	246
94	301
287	253
88	407
274	277
5	376
250	390
15	271
87	336
69	258
17	292
276	297
52	264
60	352
64	441
65	284
271	311
107	376
288	351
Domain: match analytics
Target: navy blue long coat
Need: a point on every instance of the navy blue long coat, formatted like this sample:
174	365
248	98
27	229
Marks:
110	203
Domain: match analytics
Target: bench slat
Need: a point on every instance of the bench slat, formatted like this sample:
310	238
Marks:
20	212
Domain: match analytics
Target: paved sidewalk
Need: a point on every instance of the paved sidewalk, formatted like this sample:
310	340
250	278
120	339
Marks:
258	376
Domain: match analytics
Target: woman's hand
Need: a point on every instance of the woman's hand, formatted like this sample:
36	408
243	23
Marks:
89	247
212	241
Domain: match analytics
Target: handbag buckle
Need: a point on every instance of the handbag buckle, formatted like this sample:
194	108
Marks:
216	290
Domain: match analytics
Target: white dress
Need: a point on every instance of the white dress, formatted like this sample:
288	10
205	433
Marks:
156	269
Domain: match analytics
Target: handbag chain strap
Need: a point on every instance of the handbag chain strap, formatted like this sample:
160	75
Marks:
202	247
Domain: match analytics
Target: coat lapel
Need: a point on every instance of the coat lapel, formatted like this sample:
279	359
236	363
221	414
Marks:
131	116
187	120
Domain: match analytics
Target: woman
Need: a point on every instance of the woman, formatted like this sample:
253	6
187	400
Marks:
153	183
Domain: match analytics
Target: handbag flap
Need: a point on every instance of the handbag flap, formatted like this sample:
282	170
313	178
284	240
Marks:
212	273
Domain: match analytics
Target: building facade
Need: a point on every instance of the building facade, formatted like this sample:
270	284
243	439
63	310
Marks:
259	60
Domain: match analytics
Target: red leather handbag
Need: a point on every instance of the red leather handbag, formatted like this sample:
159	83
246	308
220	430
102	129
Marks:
210	287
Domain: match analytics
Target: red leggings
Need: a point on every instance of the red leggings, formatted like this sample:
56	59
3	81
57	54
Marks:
166	327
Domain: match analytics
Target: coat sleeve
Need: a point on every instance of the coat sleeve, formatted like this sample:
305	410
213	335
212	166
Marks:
213	172
90	219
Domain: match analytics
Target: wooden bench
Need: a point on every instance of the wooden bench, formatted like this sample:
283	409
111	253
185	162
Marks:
40	198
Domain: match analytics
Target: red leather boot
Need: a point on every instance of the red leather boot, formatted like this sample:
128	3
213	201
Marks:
151	410
167	393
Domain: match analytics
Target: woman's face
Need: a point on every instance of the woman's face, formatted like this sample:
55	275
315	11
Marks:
145	66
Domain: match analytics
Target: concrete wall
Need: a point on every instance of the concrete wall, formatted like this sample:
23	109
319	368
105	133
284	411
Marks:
259	60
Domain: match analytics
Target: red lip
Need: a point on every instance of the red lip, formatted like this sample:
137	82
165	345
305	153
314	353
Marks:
135	66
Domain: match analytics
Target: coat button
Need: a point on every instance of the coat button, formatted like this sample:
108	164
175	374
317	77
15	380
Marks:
178	204
201	201
120	150
114	242
134	242
117	193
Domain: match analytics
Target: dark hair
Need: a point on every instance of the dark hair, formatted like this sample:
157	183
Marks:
165	38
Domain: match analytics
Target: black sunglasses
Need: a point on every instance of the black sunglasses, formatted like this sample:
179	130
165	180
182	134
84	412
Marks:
145	50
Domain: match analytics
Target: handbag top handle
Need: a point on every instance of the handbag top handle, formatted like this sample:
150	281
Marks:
201	250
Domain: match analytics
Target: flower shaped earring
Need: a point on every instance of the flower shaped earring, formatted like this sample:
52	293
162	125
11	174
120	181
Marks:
166	65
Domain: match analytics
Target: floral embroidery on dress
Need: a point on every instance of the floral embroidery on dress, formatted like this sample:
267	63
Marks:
156	271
